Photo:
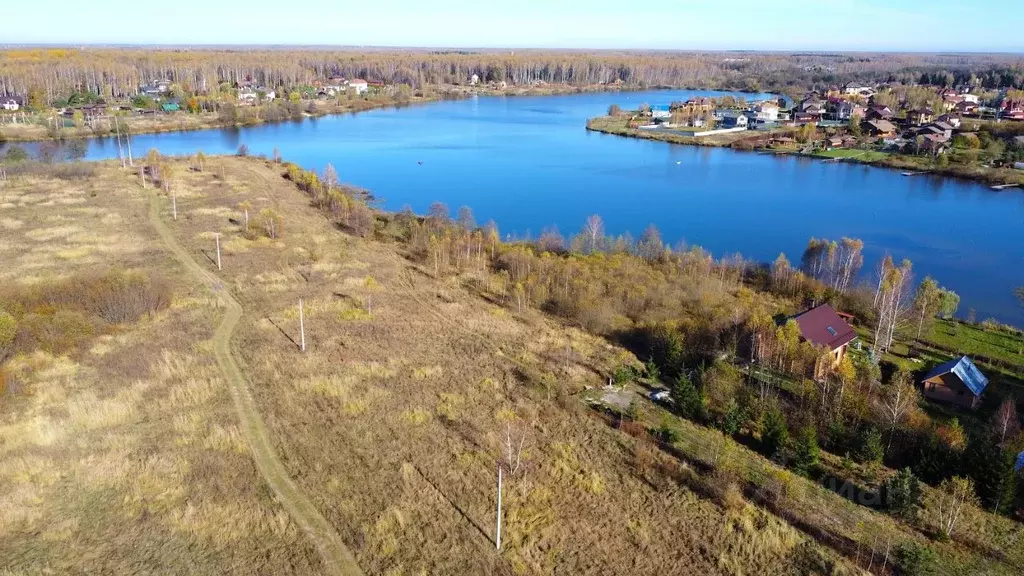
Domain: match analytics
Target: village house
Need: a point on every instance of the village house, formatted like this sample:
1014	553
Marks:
920	117
967	108
359	86
701	105
949	119
824	328
880	113
858	89
937	129
934	144
879	128
971	98
957	382
764	112
842	110
9	103
733	119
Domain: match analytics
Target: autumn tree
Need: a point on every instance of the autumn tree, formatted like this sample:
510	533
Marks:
898	402
465	218
954	497
927	302
272	223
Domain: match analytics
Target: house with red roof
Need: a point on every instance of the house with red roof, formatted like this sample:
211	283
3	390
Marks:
823	327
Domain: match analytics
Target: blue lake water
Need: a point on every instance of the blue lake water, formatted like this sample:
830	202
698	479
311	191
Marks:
528	163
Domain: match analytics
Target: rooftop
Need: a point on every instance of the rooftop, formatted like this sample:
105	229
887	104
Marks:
822	326
965	370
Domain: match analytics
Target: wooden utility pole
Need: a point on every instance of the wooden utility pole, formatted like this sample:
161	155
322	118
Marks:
497	539
174	204
217	236
302	329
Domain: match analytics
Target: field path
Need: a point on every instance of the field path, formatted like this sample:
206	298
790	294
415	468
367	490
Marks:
338	559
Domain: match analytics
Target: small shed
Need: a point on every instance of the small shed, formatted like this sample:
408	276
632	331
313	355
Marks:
170	107
957	382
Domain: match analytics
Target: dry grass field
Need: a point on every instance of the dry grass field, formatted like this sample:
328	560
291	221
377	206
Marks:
124	457
127	457
410	391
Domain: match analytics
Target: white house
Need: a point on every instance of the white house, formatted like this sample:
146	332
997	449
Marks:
359	86
766	112
972	98
9	104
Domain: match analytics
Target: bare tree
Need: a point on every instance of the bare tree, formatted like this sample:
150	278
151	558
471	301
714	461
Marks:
1005	423
593	233
330	177
513	449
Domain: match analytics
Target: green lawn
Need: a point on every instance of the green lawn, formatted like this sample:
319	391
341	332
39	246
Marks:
997	345
860	155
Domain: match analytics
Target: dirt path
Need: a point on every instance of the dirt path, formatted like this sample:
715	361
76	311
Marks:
337	557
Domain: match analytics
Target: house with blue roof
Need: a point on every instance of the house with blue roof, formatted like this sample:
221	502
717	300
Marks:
958	382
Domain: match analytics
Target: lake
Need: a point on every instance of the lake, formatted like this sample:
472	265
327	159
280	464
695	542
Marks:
528	163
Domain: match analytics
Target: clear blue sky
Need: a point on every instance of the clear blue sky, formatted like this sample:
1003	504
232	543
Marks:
915	25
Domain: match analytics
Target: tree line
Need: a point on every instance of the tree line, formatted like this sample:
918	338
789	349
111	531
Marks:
54	73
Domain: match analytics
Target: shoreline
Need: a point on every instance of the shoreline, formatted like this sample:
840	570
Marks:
190	122
1005	179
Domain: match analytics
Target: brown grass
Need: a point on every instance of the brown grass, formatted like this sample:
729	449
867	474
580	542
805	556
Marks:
393	422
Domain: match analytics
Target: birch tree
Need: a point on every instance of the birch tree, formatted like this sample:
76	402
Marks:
954	497
926	302
898	402
1005	423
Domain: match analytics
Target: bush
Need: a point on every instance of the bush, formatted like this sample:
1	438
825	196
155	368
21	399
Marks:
8	331
913	559
666	433
733	419
623	374
121	296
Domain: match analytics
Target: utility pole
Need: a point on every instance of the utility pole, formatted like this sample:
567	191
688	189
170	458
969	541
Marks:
497	540
302	329
217	236
174	204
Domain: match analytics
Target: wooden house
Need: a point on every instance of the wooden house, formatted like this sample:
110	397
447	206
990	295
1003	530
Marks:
957	382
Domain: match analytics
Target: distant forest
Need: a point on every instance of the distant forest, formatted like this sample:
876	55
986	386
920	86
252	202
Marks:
115	72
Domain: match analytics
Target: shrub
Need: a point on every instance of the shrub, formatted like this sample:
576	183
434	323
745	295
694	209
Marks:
667	434
623	374
121	296
913	559
243	150
8	331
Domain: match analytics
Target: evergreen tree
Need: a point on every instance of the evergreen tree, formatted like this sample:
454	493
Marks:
991	468
688	399
868	445
733	419
774	433
805	458
902	493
